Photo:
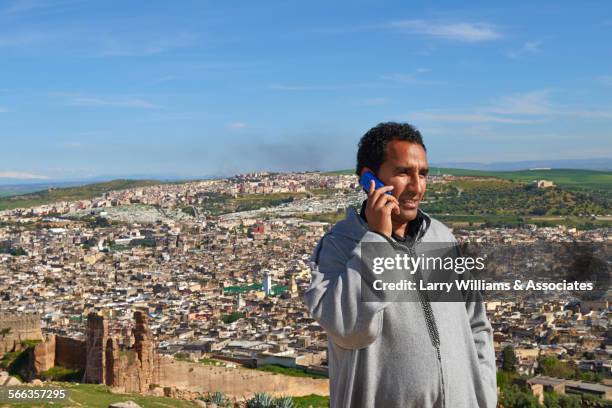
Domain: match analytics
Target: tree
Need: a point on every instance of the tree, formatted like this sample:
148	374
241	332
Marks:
570	401
553	367
514	397
508	359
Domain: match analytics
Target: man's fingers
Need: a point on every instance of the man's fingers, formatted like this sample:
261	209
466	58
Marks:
396	209
372	185
391	206
384	189
374	196
383	199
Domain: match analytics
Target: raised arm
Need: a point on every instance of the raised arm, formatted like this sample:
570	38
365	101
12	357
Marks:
334	298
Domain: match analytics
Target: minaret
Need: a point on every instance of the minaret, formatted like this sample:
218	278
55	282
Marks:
293	289
240	303
267	284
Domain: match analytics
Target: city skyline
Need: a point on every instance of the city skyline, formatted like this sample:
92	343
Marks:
201	89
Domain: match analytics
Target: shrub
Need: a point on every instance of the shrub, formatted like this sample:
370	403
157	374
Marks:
219	398
261	400
59	373
284	402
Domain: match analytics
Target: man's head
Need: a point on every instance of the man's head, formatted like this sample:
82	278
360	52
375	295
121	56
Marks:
395	152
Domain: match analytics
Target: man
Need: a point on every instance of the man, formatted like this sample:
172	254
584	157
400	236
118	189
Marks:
387	353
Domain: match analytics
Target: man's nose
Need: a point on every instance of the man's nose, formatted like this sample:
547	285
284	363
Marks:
414	185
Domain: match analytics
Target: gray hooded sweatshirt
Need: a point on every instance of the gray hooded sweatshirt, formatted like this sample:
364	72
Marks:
397	354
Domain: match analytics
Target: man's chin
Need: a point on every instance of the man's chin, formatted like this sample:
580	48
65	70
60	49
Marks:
407	215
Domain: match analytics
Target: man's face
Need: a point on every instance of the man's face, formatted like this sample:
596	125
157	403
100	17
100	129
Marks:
405	168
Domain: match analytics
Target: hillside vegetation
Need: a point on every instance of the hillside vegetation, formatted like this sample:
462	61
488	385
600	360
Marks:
100	396
508	197
567	178
86	192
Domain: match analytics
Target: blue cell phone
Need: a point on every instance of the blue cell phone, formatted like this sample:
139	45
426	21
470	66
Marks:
365	179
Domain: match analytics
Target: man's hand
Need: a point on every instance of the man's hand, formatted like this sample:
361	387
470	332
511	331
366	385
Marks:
378	209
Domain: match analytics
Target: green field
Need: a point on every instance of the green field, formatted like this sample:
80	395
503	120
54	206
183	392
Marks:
568	178
99	396
312	400
71	193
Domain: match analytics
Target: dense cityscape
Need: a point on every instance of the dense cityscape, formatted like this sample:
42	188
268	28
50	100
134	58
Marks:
226	287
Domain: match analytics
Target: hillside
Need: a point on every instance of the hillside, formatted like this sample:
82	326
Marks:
498	198
566	178
70	193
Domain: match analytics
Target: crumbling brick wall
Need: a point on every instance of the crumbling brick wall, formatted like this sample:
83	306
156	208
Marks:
16	328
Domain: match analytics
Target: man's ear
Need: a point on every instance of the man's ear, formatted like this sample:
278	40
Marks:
364	169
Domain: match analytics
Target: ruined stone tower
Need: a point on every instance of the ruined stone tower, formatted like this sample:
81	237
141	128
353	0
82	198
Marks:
131	369
145	349
96	337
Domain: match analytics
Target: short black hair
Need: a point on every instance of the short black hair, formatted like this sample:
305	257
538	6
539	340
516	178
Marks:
373	145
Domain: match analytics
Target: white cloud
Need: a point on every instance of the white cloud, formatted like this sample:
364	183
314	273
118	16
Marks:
530	47
24	6
409	79
596	114
464	117
116	103
520	108
402	78
237	125
119	46
529	103
456	31
96	41
21	39
537	103
331	87
21	175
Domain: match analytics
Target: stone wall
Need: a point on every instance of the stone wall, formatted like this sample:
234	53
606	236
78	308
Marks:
132	370
124	370
42	356
236	382
16	328
137	368
70	353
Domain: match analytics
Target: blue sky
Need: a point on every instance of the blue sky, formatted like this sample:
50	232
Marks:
203	88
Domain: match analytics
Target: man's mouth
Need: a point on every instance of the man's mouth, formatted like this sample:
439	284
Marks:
410	203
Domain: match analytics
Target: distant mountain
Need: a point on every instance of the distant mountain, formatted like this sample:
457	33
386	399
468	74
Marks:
25	188
577	164
7	183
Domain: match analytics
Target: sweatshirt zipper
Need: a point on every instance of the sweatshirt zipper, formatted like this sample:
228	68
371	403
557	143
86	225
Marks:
430	321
